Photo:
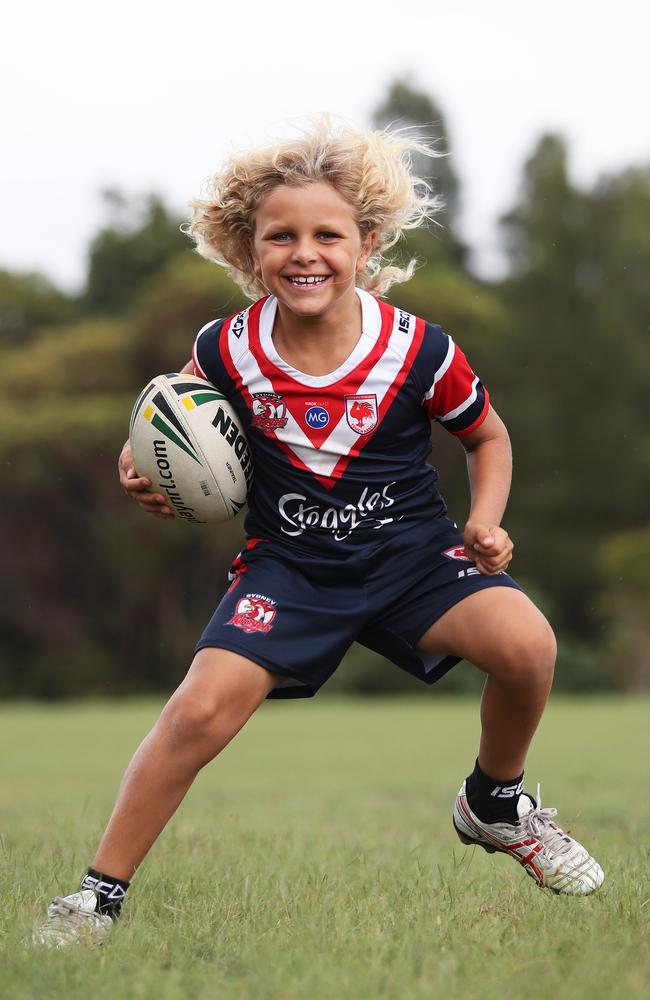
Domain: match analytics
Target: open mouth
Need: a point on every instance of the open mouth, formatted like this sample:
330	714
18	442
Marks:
306	281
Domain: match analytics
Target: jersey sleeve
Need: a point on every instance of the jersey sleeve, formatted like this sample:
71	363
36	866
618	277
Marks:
206	356
454	395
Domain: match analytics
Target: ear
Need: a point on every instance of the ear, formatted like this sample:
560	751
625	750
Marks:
367	249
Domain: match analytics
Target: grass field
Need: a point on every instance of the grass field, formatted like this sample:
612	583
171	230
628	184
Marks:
315	858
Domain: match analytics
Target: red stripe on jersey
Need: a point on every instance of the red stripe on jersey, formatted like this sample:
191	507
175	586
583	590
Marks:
454	387
238	382
349	384
479	420
241	387
224	348
396	385
197	370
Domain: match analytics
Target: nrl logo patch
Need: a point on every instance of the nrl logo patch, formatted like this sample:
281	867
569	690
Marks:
254	613
269	411
361	412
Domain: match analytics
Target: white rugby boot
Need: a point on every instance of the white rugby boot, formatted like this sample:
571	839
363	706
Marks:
73	920
549	855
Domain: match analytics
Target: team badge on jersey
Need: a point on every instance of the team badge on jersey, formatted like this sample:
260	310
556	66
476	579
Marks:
456	552
254	613
269	411
361	412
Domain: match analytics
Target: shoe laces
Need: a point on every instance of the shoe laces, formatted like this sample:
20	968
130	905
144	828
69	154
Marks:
65	921
539	823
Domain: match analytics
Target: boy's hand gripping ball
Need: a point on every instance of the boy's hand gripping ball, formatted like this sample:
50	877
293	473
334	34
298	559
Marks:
188	440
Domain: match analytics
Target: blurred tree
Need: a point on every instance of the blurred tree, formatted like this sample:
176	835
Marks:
28	303
141	236
182	297
579	375
82	607
407	107
625	602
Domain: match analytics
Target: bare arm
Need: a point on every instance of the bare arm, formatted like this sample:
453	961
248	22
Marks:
489	466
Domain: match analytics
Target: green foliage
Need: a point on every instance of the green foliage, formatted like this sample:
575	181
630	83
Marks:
139	239
90	355
185	295
28	303
580	368
408	108
624	560
83	606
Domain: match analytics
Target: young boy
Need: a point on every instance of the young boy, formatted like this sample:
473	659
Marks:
347	536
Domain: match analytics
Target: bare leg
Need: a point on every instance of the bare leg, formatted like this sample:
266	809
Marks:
219	694
502	632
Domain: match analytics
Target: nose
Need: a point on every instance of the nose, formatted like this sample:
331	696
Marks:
304	250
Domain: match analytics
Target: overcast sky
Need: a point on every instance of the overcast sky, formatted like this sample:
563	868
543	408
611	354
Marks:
149	95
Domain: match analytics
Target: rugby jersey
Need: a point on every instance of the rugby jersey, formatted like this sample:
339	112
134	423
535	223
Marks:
340	459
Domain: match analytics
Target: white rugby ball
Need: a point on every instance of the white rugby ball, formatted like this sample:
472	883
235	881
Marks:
187	439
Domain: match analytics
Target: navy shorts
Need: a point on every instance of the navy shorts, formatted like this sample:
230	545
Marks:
297	613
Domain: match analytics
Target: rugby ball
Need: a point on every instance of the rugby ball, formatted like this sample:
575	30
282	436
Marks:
186	437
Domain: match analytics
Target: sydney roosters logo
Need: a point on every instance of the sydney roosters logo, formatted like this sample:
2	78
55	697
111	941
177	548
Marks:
361	412
269	411
254	613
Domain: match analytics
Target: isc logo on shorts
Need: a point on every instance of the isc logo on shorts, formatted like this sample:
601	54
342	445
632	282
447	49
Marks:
254	613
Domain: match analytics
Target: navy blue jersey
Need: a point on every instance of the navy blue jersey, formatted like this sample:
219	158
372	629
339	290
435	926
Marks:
340	459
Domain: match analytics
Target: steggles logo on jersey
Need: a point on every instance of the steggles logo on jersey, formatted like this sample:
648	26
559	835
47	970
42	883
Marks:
361	412
269	411
254	613
301	516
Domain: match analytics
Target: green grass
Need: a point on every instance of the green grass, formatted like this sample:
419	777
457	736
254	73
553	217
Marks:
315	858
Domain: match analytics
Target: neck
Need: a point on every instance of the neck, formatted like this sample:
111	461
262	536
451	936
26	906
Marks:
339	323
317	345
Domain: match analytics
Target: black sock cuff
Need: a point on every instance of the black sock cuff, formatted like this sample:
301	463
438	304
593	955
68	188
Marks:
493	799
480	774
110	890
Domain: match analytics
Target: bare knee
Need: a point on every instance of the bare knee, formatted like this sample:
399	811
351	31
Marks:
527	657
203	722
189	718
221	691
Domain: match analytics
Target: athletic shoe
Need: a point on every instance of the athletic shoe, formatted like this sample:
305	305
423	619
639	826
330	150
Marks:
554	859
73	920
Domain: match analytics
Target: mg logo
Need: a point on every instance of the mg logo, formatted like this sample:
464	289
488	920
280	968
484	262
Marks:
317	416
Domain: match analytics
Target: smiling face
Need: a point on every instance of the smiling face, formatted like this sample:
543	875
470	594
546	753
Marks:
308	248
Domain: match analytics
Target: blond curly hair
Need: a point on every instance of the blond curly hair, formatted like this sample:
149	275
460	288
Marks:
372	171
